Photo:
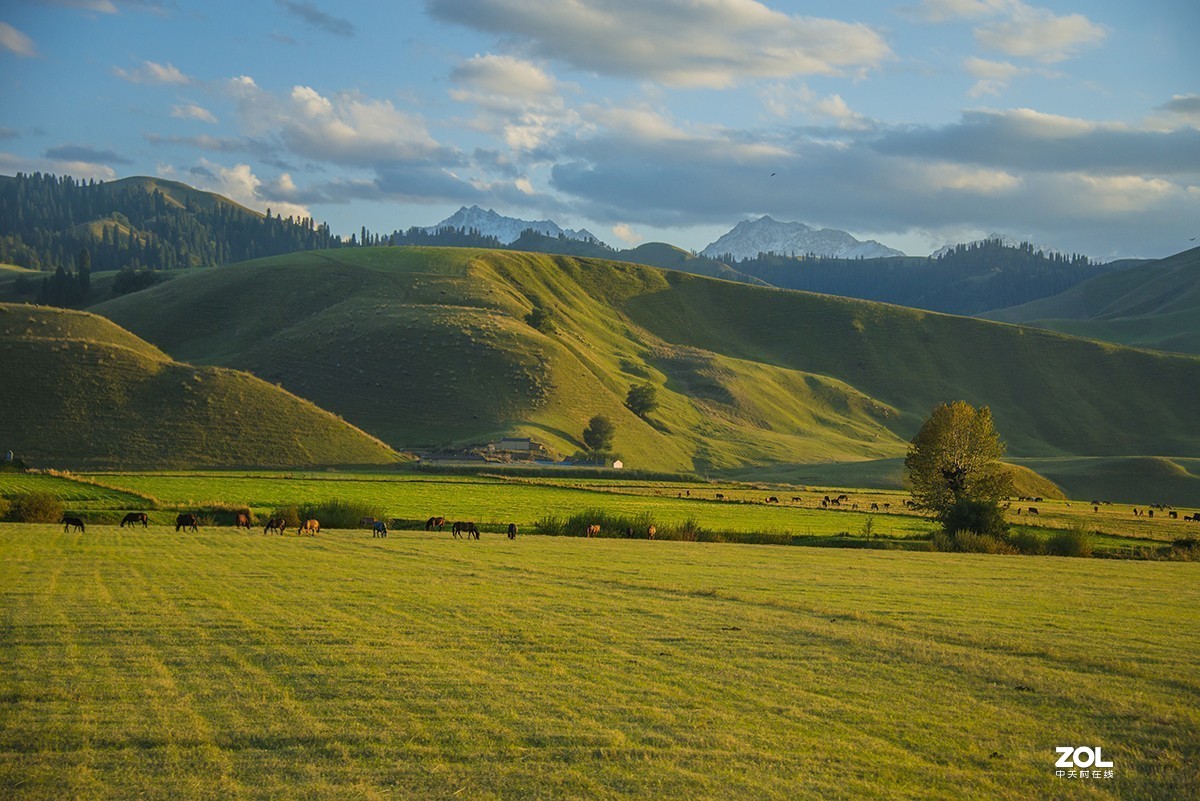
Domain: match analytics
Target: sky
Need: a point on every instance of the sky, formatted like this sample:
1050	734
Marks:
1071	124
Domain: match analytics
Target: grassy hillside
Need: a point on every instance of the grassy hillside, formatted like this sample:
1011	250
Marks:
1154	305
88	393
429	347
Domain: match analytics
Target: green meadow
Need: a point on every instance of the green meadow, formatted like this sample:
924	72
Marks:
232	665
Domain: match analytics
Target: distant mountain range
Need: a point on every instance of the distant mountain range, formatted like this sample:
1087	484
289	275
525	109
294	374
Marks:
507	229
749	238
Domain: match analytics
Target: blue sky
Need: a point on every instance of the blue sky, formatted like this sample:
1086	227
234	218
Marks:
1074	124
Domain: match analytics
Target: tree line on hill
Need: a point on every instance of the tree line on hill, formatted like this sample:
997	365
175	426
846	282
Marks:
45	220
967	279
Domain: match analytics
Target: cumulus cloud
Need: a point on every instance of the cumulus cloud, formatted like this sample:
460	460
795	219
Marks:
240	184
513	98
317	18
153	73
346	128
787	101
16	42
1098	188
717	43
1039	34
191	111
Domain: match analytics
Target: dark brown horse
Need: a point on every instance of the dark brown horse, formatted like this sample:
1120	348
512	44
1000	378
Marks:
242	520
276	524
512	531
70	523
435	522
186	521
134	518
467	529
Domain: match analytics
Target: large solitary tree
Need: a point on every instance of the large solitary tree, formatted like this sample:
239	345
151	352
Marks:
598	435
956	457
642	399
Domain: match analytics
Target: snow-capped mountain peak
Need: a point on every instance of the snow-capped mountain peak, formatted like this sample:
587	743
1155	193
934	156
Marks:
506	229
765	235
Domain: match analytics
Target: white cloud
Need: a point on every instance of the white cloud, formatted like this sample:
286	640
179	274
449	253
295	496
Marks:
716	43
505	76
241	185
151	72
1039	34
625	233
193	112
16	42
513	98
953	10
346	128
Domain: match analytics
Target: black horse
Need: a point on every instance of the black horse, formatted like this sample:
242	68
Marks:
71	522
186	521
512	531
134	518
467	529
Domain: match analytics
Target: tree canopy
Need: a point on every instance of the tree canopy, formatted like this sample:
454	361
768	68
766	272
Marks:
598	435
956	456
642	399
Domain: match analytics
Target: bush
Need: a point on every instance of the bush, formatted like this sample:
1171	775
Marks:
1027	542
35	507
979	516
970	542
339	513
1075	541
290	515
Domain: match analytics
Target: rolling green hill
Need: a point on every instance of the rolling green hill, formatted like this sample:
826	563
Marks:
428	347
89	394
1154	305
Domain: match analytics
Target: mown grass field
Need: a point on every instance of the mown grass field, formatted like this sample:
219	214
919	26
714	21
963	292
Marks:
234	665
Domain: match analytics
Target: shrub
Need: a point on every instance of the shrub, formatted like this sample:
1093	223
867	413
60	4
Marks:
290	515
1027	542
980	516
339	513
1075	541
970	542
35	507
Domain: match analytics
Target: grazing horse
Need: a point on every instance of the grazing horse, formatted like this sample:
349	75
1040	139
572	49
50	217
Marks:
276	524
435	522
309	527
651	531
379	529
467	529
1033	510
186	521
512	531
242	520
593	529
136	517
71	522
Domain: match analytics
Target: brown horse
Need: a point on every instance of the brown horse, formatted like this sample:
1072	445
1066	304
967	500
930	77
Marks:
136	517
242	520
467	529
186	521
593	529
276	524
651	531
435	522
309	527
71	522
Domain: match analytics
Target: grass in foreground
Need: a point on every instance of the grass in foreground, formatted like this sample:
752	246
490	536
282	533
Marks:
237	665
